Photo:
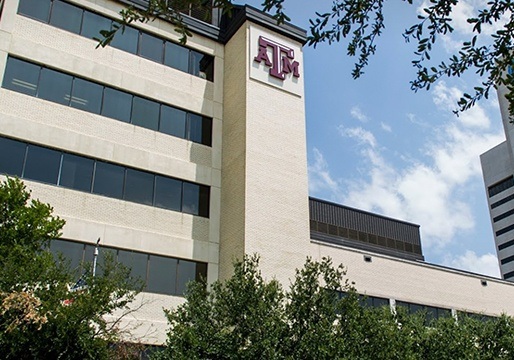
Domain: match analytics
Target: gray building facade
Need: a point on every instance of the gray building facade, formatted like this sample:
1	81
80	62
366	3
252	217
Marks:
498	170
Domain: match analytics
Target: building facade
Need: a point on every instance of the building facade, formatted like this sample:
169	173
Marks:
182	158
498	171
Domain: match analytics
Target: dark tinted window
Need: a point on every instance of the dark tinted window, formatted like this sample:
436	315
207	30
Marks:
54	86
12	155
139	186
117	104
168	193
162	274
72	251
204	201
201	65
151	47
173	121
76	172
186	273
66	16
191	198
200	129
21	76
92	24
145	113
176	56
135	261
109	180
126	40
42	164
37	9
86	96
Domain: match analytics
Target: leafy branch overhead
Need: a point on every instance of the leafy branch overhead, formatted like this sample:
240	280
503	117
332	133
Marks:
359	23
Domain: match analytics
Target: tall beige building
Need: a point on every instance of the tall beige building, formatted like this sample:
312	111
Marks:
184	158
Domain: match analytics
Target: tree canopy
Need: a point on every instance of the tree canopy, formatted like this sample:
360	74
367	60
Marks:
40	316
319	317
359	23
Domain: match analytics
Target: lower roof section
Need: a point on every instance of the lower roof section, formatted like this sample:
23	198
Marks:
343	225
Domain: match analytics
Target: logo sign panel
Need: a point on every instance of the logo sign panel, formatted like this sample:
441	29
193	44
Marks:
282	59
275	61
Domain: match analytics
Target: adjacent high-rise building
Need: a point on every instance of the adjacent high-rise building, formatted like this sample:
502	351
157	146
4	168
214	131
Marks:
498	172
182	158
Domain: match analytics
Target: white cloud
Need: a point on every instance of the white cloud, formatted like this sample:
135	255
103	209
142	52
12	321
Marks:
357	113
431	192
486	264
363	136
319	175
385	127
447	97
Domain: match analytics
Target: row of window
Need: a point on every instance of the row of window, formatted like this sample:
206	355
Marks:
506	245
505	230
89	24
98	177
160	274
509	275
507	260
501	186
503	216
35	80
431	312
502	201
364	237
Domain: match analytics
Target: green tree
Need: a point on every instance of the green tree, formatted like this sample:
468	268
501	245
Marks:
319	317
359	24
40	318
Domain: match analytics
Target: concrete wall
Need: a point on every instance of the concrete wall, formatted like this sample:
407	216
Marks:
419	282
264	171
120	223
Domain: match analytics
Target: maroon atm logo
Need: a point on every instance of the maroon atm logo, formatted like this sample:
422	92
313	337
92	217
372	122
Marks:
282	59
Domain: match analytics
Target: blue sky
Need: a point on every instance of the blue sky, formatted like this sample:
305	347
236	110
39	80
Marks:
375	145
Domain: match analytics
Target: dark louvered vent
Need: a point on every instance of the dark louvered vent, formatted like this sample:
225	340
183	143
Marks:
360	229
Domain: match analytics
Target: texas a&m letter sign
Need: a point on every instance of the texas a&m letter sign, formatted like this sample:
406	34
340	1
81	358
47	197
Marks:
275	61
282	59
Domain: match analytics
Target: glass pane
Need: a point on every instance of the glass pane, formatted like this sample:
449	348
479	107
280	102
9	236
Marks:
202	65
145	113
12	155
162	274
21	76
191	198
186	273
37	9
72	251
176	56
378	302
126	40
86	96
76	172
201	271
168	193
200	129
103	253
139	186
109	180
54	86
173	121
66	16
204	201
117	104
135	261
93	23
42	164
151	47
